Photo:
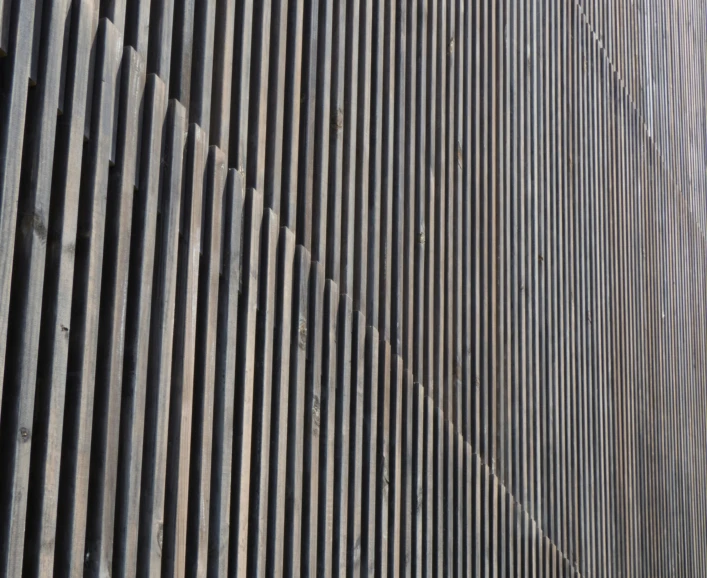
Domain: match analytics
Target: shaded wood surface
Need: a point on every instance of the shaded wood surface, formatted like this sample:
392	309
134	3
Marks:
353	288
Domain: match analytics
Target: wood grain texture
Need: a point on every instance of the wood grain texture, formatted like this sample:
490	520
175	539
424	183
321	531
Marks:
352	288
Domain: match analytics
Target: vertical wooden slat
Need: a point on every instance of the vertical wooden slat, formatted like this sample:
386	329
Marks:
205	363
257	521
297	411
25	299
280	423
83	335
231	281
181	405
245	364
433	294
16	32
328	431
111	323
137	329
159	369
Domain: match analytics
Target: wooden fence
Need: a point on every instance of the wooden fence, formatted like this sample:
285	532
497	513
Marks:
353	287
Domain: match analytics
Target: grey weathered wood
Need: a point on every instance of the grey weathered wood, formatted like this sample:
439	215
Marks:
323	128
348	122
397	495
262	397
297	410
314	413
181	405
383	463
308	110
205	362
224	410
359	365
203	64
5	6
159	53
327	433
25	309
137	26
16	32
369	466
137	330
471	325
83	334
111	323
362	159
159	368
374	189
335	182
245	364
258	100
182	42
343	433
276	107
224	36
282	385
42	498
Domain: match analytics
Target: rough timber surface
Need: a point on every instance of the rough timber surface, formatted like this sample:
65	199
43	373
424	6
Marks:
353	288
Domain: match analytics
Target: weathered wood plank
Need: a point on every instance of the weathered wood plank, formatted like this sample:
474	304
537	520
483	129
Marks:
159	368
83	334
16	32
384	470
231	283
25	305
262	396
369	464
181	405
359	365
464	338
123	179
287	309
203	64
200	467
301	350
327	434
222	81
314	470
343	434
137	329
245	366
